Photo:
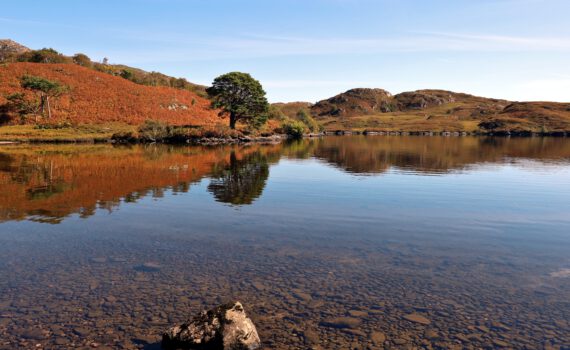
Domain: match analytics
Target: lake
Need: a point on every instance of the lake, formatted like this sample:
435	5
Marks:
341	242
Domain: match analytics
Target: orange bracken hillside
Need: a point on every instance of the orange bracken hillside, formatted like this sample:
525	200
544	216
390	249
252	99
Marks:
97	98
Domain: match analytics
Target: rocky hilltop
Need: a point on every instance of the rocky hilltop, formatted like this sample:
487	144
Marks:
435	111
9	48
355	102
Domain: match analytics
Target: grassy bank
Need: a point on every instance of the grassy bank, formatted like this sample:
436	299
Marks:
150	131
79	133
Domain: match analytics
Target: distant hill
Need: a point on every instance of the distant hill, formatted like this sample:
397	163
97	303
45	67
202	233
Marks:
438	110
96	97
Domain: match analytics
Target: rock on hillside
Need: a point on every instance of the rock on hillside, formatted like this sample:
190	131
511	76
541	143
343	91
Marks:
355	102
424	99
96	98
9	47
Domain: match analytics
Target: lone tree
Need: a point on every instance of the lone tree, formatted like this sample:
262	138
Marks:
44	88
241	96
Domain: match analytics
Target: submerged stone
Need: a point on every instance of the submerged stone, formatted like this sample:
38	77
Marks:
148	267
417	319
225	327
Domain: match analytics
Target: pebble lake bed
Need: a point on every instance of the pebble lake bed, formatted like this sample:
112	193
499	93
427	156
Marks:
349	242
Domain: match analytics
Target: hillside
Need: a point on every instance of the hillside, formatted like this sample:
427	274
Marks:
96	98
436	111
11	52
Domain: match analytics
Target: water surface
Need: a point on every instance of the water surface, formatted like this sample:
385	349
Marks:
333	243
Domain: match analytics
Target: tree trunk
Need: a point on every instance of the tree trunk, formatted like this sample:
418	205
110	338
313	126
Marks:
43	104
49	109
233	120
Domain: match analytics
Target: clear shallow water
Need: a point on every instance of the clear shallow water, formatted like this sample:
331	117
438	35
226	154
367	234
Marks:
330	243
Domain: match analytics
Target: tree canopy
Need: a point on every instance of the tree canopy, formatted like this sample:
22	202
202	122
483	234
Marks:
44	87
240	96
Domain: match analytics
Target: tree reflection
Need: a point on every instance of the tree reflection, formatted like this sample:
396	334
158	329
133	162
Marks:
243	181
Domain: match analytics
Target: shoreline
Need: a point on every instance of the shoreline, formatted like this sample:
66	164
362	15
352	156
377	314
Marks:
278	138
448	133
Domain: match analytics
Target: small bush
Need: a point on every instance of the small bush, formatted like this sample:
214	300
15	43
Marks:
294	129
304	117
153	131
54	126
82	60
44	56
221	131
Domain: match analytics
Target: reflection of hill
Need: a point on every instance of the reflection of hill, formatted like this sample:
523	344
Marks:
432	154
48	183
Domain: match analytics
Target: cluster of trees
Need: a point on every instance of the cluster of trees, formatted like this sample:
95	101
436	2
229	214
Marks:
45	91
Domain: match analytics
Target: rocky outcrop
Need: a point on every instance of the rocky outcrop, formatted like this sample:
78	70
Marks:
225	327
423	99
355	102
9	48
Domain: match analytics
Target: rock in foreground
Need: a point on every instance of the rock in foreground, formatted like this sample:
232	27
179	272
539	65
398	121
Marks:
225	327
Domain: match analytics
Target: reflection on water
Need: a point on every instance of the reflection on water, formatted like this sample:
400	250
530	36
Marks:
48	183
243	180
469	233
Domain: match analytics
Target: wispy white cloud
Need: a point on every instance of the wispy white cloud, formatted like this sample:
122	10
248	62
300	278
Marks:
290	84
257	46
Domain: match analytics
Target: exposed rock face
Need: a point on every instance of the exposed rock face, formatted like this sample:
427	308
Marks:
225	327
423	99
355	102
9	47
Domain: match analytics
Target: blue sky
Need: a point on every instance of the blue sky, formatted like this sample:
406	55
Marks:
306	50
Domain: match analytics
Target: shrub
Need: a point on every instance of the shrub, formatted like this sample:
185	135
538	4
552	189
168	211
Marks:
126	74
54	126
219	131
82	60
304	117
44	56
22	106
153	131
275	113
294	129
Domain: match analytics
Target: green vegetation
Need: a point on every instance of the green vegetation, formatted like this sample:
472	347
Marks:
295	129
240	96
63	133
44	88
295	119
138	76
82	60
18	103
304	117
43	56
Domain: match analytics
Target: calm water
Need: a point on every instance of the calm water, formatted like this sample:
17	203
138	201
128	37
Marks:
334	243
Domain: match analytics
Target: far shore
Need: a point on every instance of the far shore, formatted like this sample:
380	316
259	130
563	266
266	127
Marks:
72	136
